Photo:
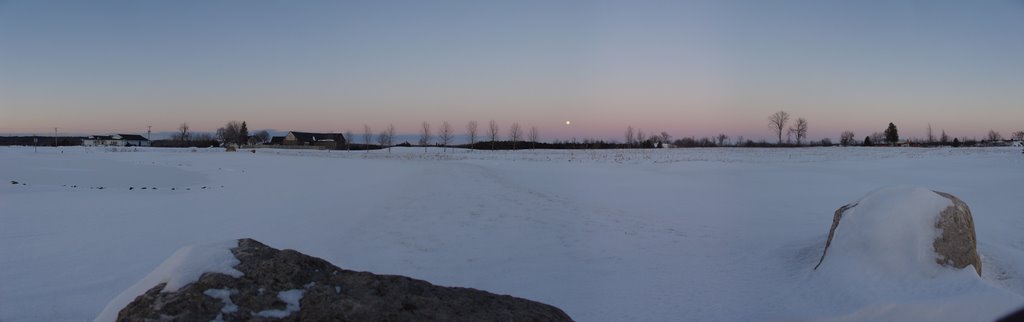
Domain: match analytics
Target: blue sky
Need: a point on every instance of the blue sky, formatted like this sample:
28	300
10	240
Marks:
691	68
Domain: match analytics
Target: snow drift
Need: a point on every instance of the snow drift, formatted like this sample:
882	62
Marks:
889	231
882	255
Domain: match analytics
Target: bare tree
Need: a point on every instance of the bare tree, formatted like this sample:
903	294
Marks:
222	135
877	137
348	140
425	136
533	137
777	122
994	136
391	136
493	132
640	138
722	138
656	139
471	134
231	133
629	136
665	138
183	133
514	134
846	139
382	139
367	136
445	134
799	129
1017	136
931	137
261	137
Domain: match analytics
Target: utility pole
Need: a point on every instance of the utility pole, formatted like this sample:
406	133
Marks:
55	137
149	132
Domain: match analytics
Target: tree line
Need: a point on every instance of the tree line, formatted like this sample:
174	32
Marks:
233	133
237	133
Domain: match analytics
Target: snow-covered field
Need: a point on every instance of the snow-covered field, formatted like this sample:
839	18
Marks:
665	235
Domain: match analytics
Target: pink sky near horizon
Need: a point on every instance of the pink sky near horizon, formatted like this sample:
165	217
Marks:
605	125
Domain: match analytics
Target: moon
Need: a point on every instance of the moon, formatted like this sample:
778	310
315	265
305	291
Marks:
568	122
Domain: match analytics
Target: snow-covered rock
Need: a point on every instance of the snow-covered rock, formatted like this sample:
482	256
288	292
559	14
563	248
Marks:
903	230
290	286
182	268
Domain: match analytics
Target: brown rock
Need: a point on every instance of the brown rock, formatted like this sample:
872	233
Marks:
329	294
958	245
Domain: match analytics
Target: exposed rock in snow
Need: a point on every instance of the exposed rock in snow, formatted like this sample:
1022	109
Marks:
290	286
904	228
290	298
958	245
182	268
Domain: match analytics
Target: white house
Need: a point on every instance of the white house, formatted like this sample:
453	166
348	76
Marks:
116	140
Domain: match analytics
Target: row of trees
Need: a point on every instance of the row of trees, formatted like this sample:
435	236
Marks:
385	138
232	133
638	140
446	135
891	136
777	122
237	133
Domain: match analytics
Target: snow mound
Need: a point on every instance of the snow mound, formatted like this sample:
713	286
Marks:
882	263
182	268
891	231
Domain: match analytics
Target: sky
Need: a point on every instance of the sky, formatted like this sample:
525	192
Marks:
689	68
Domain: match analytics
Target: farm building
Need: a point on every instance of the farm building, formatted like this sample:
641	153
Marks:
325	140
116	140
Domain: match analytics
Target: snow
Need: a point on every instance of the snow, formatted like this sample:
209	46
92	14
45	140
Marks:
182	268
224	295
886	239
669	234
291	298
890	231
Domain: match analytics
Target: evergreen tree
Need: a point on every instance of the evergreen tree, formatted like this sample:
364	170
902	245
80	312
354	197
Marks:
867	140
956	142
891	135
243	134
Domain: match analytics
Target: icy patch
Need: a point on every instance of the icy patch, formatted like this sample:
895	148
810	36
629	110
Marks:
291	298
182	268
224	295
